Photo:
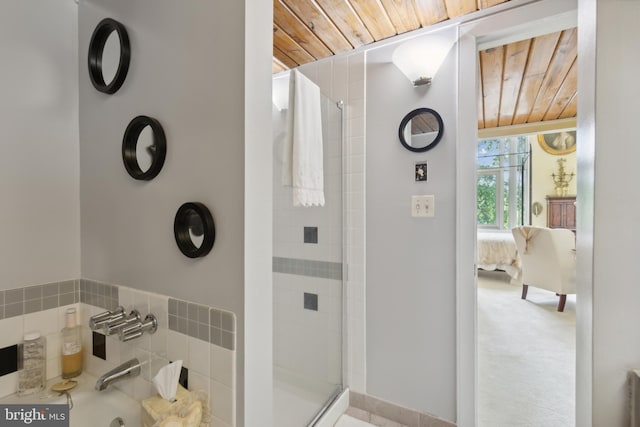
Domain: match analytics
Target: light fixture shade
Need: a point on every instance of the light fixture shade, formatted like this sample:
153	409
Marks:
419	59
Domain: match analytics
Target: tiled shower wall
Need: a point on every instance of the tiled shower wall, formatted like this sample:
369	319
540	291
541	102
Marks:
307	259
344	79
202	337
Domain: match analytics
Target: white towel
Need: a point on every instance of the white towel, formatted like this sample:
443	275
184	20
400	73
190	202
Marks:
302	161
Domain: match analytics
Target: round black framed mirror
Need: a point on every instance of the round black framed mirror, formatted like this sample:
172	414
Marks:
144	148
421	130
109	56
194	229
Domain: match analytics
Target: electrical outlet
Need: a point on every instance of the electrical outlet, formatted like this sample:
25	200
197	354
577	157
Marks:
423	206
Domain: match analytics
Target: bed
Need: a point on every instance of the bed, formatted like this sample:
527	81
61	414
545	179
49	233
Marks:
497	251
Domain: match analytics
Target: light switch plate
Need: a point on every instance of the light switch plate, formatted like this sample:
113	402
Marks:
423	206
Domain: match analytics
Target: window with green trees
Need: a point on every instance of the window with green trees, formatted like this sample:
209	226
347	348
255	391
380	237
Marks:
502	182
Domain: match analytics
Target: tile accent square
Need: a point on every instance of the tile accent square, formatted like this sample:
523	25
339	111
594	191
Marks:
311	235
8	360
311	301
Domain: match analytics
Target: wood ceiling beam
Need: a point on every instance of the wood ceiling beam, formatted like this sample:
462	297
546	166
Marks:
528	128
430	11
286	20
375	17
515	62
492	63
542	49
571	110
402	14
563	58
565	94
286	44
309	12
460	7
347	21
283	58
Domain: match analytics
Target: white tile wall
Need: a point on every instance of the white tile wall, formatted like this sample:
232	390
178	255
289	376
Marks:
318	358
344	78
289	222
49	323
210	366
356	150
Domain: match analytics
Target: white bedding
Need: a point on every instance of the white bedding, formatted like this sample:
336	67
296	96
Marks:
497	251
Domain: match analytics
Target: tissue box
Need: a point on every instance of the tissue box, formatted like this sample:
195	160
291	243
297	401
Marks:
185	411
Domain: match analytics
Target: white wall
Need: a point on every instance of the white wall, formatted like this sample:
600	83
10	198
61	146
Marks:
411	320
188	71
39	160
127	225
607	125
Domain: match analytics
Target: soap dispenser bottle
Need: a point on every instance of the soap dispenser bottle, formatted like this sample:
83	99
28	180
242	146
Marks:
71	346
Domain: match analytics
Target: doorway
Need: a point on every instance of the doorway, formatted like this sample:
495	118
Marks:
530	20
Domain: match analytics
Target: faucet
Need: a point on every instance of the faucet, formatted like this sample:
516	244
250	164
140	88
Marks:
114	326
99	320
129	369
136	329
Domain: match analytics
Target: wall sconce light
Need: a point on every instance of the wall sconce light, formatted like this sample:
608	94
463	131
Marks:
419	59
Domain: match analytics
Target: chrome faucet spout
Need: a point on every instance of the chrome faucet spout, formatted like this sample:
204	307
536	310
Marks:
129	369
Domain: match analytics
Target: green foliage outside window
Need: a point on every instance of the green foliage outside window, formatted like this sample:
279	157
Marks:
500	162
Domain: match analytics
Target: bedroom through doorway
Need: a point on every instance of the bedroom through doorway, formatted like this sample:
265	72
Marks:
526	175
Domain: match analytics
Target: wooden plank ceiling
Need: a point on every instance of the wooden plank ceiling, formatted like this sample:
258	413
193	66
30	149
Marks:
308	30
529	81
523	82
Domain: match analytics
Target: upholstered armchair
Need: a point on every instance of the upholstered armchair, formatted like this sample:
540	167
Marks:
548	260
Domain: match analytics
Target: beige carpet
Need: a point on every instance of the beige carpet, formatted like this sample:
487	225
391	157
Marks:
526	356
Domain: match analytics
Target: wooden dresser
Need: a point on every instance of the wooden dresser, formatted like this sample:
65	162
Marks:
561	212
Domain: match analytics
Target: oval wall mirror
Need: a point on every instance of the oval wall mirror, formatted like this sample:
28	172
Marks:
109	56
421	130
194	229
144	148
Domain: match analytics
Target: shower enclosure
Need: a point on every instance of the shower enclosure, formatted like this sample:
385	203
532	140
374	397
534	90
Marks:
308	283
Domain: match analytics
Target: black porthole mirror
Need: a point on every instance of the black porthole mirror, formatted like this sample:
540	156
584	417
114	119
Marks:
109	56
421	130
194	230
144	148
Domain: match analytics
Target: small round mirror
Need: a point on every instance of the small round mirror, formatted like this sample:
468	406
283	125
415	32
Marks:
109	56
421	130
144	148
194	230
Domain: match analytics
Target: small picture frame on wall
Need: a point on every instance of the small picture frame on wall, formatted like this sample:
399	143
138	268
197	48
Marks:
558	143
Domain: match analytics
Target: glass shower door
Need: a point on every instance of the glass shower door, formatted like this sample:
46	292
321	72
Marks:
307	284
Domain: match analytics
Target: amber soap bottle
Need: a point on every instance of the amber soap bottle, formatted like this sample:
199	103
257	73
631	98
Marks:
71	346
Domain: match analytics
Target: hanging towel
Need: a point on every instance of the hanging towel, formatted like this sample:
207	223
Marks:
302	160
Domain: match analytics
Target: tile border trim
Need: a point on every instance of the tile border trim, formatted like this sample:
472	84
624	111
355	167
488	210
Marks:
34	298
308	267
199	321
